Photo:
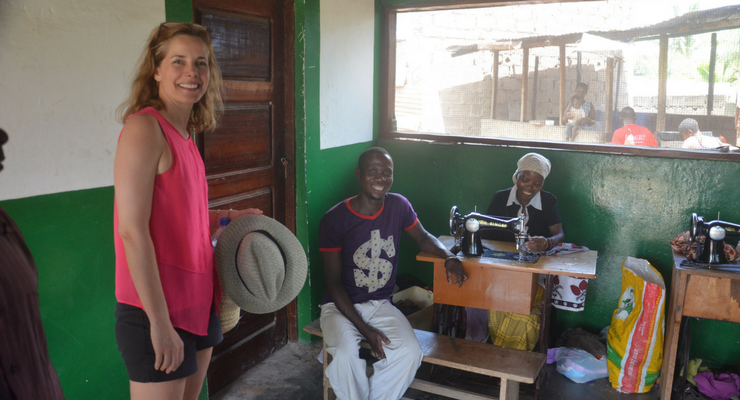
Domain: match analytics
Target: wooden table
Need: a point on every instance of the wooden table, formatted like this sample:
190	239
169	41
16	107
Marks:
510	286
503	285
701	293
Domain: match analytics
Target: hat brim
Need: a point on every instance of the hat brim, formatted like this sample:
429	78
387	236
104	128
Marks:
296	264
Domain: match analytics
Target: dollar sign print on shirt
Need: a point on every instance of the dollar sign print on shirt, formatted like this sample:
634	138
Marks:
378	269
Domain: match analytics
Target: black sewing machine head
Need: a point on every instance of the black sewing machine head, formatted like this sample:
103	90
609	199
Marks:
712	251
469	227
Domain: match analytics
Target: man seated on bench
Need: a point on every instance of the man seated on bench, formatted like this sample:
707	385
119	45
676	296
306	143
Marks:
359	240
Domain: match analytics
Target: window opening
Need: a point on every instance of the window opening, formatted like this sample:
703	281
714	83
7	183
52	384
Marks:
509	72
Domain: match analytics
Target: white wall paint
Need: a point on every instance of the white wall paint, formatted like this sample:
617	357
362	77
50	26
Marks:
65	66
347	48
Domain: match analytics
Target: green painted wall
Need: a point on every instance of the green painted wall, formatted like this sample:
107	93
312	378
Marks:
618	205
71	237
178	10
328	175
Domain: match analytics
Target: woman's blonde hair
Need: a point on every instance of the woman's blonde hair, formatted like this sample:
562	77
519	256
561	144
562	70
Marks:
145	91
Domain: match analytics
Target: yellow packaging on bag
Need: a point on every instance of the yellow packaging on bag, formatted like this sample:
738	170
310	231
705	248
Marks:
635	336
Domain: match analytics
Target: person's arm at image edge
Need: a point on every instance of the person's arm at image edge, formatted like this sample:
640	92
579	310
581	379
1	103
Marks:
332	262
138	155
430	244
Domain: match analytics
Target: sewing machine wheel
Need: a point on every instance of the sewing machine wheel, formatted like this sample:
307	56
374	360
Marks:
453	221
695	229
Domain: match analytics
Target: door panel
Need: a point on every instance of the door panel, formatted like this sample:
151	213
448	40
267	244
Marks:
241	43
243	139
253	43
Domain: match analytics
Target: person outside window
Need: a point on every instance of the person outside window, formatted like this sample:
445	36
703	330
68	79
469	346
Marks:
587	107
632	134
694	139
576	114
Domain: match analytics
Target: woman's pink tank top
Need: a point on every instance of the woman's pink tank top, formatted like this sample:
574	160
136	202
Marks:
180	232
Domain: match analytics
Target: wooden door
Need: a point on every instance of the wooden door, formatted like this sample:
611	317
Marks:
249	157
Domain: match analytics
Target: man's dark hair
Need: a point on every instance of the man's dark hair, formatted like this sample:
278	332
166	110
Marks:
368	153
584	84
628	113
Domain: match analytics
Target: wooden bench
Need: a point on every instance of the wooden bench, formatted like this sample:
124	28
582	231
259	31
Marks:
511	365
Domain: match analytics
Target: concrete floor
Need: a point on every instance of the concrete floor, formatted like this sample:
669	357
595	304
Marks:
294	373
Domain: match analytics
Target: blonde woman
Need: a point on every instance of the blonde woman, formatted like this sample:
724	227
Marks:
167	289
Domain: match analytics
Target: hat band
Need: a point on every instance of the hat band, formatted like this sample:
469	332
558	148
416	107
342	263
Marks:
282	253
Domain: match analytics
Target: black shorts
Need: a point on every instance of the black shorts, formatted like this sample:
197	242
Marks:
135	344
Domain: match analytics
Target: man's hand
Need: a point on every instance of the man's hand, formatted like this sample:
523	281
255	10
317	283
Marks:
376	339
455	272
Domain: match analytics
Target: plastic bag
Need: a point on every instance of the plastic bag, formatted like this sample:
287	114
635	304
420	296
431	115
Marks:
579	365
635	336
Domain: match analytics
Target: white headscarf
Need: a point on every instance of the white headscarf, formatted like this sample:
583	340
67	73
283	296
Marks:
532	162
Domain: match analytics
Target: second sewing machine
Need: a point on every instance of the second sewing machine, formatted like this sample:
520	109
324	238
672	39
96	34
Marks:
467	231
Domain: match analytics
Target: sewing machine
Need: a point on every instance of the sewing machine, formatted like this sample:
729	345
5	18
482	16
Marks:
712	251
466	230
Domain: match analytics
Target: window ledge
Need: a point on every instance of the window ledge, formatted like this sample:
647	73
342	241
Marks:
655	152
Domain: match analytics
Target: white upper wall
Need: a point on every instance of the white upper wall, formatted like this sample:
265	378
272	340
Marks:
346	74
65	66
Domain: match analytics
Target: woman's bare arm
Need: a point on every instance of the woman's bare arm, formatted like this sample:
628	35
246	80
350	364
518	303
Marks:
142	153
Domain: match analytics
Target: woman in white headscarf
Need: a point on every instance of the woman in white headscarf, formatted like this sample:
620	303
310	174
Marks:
527	198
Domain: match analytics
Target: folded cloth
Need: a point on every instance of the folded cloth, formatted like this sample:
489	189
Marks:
569	293
718	387
565	248
516	331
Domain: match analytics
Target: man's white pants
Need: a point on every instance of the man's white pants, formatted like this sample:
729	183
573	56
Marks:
346	372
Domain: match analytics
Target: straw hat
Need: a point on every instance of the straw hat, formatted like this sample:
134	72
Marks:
261	264
230	314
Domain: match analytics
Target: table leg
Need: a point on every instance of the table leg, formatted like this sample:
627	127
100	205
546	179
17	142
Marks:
545	322
675	313
545	317
684	345
509	390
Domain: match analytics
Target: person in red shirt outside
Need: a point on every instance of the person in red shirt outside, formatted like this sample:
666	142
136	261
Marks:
631	134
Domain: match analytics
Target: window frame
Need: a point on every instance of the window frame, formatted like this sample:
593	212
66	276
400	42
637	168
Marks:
387	102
